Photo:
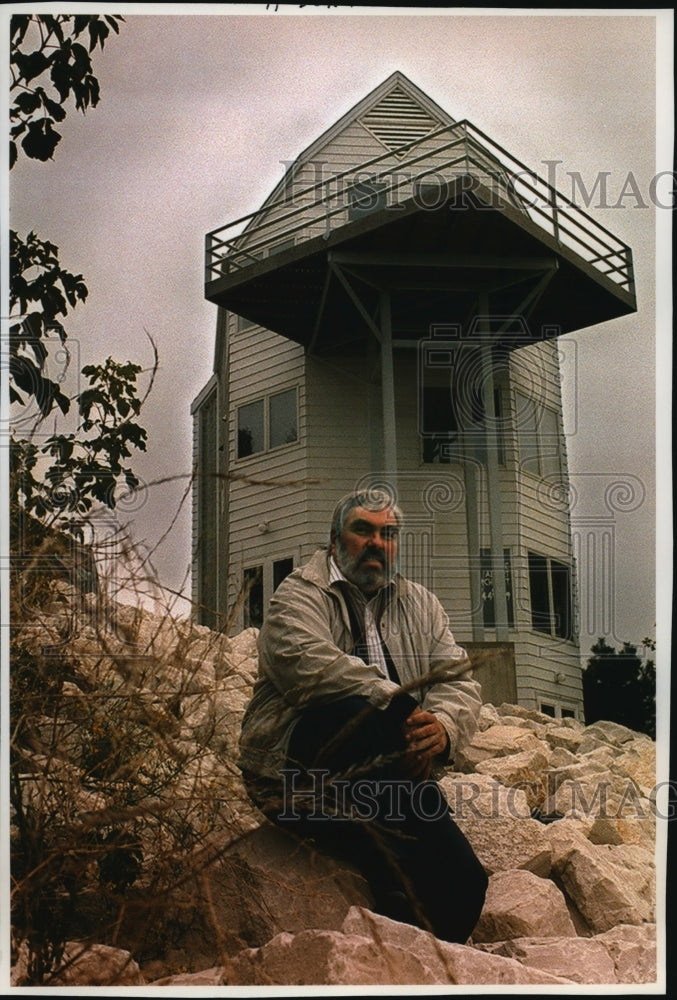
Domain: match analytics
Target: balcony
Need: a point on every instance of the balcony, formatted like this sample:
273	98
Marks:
448	216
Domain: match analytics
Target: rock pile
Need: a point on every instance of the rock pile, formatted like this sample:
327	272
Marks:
561	816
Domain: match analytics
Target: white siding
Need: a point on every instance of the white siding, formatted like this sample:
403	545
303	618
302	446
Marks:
267	500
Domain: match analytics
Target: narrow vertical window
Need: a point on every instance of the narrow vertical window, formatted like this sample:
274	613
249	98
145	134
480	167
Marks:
281	569
283	418
551	601
539	590
253	602
561	600
250	431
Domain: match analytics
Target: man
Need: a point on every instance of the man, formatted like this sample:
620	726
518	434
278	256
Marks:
361	691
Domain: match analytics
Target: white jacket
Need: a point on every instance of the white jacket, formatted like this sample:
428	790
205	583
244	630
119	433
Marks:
304	659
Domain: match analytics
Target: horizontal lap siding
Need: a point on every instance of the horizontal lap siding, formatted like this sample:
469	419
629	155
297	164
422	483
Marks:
433	501
266	487
338	446
541	660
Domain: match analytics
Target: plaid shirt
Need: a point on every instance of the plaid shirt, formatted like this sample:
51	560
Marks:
372	638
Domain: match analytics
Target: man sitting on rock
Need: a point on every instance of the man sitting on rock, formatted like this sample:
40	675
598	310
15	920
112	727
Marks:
361	690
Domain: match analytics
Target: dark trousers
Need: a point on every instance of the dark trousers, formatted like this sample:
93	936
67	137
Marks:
343	788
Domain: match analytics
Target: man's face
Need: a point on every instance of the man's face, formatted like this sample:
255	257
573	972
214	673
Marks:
367	549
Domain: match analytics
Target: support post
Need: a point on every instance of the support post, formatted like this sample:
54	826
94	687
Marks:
470	471
494	499
388	392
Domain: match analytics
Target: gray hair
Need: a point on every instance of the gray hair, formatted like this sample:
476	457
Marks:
371	498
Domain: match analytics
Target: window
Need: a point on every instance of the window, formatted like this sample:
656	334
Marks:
253	601
250	439
283	423
260	582
365	197
281	569
550	589
243	323
267	423
487	582
439	427
556	710
538	436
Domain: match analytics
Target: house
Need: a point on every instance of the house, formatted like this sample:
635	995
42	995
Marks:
390	316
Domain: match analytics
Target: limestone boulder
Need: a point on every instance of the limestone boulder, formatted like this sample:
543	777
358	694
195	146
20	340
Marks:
207	977
497	741
520	904
610	884
526	769
479	796
448	963
633	950
268	882
638	762
580	960
604	731
328	958
539	729
526	714
488	717
563	737
497	822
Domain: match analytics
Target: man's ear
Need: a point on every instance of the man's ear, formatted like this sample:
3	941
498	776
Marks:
332	539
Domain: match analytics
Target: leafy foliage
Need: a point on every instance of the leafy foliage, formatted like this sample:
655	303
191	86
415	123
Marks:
42	291
50	65
618	686
60	482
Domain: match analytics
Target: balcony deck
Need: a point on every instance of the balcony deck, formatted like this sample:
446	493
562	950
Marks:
457	215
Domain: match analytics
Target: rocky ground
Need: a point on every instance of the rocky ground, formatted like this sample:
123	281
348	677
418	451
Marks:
560	815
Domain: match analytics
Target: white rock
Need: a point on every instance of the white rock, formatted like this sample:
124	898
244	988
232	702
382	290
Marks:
449	963
581	960
520	904
329	958
633	950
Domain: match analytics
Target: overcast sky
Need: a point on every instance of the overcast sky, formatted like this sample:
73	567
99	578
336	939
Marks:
198	113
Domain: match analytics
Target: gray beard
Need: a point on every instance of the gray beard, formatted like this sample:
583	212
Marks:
367	578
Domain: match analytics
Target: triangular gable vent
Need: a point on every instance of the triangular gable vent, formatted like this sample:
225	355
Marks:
398	119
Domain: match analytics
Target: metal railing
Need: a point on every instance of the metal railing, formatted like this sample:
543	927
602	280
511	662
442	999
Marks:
422	167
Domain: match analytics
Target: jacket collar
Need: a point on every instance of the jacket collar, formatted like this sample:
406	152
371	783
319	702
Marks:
316	571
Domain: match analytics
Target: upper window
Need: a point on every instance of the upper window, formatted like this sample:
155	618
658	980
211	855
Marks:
267	423
538	437
365	197
550	590
243	323
439	424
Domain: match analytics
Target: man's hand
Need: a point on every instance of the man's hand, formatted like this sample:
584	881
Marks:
425	737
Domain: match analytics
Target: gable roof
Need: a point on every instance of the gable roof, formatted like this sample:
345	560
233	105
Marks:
395	112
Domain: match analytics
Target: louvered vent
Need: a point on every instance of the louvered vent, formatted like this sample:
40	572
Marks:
398	119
